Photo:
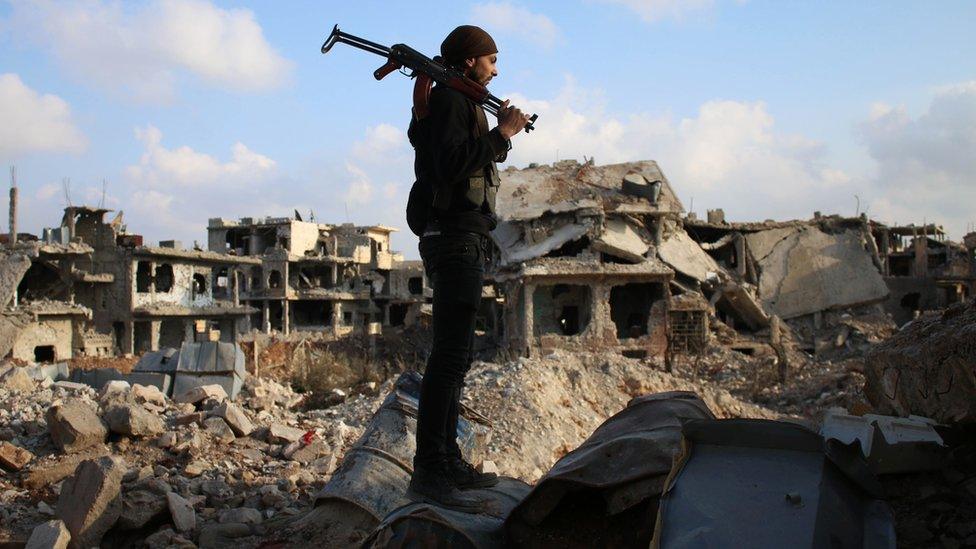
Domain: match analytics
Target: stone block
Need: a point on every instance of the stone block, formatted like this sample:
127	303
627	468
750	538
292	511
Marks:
74	426
13	457
18	380
52	534
200	393
217	427
235	417
89	502
184	518
133	420
283	434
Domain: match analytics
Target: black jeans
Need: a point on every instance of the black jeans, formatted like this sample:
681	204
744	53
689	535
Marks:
455	265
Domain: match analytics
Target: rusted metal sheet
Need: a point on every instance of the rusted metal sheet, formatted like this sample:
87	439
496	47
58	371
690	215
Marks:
428	526
762	483
604	493
373	477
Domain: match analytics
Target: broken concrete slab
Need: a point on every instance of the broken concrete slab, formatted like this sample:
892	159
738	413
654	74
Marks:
217	427
54	372
743	306
45	473
52	534
132	420
636	184
12	269
199	393
761	243
810	271
890	444
75	426
682	253
620	239
235	417
17	379
89	502
143	503
184	518
515	248
283	434
13	457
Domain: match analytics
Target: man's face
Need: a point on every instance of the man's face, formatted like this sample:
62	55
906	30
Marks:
482	69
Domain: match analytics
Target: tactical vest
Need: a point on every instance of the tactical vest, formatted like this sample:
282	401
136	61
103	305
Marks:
480	188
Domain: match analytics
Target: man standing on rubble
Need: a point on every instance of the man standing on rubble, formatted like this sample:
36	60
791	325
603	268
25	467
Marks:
456	154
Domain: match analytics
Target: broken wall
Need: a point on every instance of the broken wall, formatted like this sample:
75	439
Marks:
806	270
46	335
173	283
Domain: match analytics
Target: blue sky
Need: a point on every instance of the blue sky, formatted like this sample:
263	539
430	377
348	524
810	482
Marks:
190	109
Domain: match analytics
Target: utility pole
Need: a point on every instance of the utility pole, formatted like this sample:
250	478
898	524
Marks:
13	207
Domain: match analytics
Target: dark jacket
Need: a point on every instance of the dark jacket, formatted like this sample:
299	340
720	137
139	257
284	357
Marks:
456	155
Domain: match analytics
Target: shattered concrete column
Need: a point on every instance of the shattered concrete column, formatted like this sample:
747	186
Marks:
336	317
740	254
188	331
285	316
885	250
265	319
235	286
528	318
127	345
921	256
154	329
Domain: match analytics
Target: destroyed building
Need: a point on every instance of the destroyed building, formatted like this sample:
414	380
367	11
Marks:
310	276
578	267
923	269
121	295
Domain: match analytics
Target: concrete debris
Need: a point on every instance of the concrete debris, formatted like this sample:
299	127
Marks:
143	503
219	429
235	418
687	257
184	517
132	420
926	369
889	444
810	270
16	379
283	434
621	239
52	534
13	457
74	426
200	393
89	503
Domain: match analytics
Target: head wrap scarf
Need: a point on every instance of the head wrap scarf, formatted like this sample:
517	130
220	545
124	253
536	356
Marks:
465	42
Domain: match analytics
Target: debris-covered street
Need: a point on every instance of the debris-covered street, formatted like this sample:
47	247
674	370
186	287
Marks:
234	425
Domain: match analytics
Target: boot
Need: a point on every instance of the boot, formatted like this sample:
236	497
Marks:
466	476
434	484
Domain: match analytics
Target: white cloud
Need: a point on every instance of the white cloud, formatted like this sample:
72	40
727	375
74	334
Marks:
655	10
382	155
926	165
508	18
728	155
30	121
183	166
142	51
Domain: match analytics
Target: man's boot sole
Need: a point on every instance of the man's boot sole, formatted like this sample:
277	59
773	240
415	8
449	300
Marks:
473	509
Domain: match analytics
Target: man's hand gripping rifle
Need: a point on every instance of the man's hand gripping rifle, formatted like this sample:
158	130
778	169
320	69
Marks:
425	70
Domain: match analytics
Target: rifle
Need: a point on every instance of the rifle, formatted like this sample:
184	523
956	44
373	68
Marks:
425	70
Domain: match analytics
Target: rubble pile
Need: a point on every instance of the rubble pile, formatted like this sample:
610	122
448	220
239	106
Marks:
128	463
927	368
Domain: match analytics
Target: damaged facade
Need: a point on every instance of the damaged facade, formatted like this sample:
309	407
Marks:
577	265
317	277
